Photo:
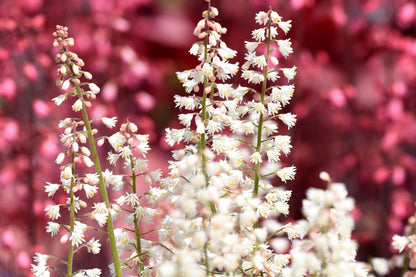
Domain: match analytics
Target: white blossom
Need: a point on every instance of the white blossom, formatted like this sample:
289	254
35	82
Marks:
93	246
110	122
52	228
285	47
286	173
52	211
289	73
380	266
400	242
285	25
258	34
77	106
51	188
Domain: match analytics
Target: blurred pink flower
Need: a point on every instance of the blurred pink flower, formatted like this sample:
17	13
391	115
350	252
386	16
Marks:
145	101
8	88
8	239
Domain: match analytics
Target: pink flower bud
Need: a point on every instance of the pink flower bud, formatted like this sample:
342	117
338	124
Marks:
123	127
66	84
64	238
202	35
100	142
88	104
60	158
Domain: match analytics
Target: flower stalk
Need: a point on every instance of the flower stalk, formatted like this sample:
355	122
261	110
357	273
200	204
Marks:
135	218
71	214
103	189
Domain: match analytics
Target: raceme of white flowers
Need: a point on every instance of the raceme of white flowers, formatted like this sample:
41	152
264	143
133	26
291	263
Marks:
80	182
227	179
221	179
326	248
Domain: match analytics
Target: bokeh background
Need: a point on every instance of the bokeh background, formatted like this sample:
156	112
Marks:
355	99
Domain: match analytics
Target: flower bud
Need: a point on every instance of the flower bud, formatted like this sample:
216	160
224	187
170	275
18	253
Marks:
82	203
75	69
64	238
325	176
65	85
63	70
132	127
60	158
85	151
213	12
274	60
94	88
82	138
75	147
70	41
87	75
100	142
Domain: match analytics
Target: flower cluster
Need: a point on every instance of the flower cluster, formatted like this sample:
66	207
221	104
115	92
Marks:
74	137
327	248
132	149
221	180
406	246
76	177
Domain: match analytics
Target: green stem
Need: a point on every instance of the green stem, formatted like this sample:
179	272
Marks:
257	176
104	195
204	114
206	259
135	219
72	218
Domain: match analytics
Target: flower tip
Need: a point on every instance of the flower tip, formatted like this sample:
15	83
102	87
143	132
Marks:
325	176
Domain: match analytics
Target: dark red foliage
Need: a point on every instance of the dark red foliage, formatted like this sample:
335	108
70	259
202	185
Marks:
355	98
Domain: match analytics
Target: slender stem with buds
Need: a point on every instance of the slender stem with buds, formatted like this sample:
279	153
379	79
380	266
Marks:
261	119
135	219
104	195
72	217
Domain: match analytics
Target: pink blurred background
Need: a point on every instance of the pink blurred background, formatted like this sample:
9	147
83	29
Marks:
355	99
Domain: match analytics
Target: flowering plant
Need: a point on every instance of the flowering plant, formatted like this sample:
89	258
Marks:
226	182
